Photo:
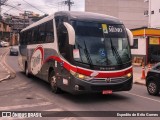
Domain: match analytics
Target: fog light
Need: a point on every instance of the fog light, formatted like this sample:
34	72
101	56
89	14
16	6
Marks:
129	75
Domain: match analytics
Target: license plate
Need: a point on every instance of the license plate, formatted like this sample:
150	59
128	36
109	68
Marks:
104	92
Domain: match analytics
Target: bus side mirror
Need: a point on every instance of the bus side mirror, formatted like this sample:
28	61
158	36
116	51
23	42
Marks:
71	33
130	36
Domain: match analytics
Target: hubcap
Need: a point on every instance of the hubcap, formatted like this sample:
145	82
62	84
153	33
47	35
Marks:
152	87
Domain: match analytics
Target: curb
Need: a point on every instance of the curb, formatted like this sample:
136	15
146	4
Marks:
7	68
139	83
6	78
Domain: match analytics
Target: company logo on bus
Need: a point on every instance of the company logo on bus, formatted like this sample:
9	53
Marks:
37	60
108	80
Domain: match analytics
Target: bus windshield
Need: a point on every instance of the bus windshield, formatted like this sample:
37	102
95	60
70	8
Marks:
101	44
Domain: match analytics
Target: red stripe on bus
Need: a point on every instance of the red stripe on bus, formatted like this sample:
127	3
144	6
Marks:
103	74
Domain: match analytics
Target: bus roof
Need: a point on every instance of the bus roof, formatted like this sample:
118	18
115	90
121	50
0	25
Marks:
89	16
82	16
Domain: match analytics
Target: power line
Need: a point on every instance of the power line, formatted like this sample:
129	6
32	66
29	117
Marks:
2	3
34	7
13	7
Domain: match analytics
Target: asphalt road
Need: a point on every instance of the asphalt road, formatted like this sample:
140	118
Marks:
33	94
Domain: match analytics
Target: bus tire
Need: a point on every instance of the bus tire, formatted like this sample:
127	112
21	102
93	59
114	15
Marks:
26	70
53	83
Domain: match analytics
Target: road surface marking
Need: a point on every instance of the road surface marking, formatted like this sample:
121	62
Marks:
143	97
6	63
24	106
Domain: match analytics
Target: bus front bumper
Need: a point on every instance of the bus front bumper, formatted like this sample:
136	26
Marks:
81	86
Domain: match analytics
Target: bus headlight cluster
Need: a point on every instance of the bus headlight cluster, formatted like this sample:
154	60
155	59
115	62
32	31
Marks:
128	75
80	76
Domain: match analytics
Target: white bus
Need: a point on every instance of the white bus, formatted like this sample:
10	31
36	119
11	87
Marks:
78	52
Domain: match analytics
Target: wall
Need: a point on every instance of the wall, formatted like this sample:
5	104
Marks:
141	47
131	12
155	18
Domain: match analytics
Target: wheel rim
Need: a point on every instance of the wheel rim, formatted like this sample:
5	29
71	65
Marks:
152	87
53	83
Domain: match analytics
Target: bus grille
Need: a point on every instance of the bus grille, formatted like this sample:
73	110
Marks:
109	80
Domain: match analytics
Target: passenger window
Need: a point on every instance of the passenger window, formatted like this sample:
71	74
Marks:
21	38
34	35
26	38
49	32
28	41
41	34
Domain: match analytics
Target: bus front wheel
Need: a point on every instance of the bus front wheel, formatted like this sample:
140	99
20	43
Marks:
53	83
26	70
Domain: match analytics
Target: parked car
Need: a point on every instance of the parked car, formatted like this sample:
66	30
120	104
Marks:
1	42
4	44
153	80
14	51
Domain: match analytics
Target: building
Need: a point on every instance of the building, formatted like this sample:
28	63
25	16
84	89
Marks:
131	12
17	23
153	13
146	48
5	30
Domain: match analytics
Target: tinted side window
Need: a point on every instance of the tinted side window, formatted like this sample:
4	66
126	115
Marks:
21	38
28	40
41	33
49	32
34	35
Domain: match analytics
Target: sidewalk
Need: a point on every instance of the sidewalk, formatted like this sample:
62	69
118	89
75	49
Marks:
137	74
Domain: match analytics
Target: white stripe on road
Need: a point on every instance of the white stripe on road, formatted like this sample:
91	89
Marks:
24	106
7	64
143	97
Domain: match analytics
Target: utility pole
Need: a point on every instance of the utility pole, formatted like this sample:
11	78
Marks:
69	3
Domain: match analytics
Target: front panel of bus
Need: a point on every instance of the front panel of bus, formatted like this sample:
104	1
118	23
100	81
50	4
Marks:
100	59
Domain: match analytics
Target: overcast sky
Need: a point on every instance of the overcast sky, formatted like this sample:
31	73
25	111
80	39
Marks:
44	6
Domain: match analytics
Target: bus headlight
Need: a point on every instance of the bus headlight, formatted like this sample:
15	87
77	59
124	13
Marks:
80	76
128	75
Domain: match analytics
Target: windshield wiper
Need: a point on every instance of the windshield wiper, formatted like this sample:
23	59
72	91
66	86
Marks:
86	53
117	56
